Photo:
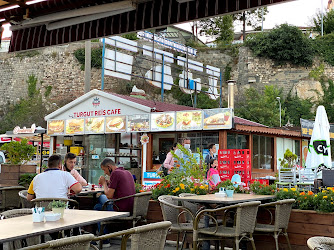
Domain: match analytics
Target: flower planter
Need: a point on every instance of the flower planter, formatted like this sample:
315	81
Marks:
10	174
58	210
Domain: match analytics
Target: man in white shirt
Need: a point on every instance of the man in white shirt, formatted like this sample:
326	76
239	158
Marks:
53	183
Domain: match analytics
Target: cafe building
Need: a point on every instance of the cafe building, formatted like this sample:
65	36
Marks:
138	133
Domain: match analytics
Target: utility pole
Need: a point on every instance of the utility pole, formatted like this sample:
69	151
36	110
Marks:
280	110
88	63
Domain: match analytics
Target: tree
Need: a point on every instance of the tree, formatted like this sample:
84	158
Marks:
252	18
328	22
327	98
219	27
260	106
296	108
283	44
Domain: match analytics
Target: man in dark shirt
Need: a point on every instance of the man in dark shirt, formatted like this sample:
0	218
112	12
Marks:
121	184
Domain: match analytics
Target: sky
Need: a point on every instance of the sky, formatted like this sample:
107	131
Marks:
298	12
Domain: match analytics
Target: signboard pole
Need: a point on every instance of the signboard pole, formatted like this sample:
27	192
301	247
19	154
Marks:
221	90
162	78
103	53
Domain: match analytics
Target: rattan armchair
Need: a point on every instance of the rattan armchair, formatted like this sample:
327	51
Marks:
244	224
19	243
24	201
44	202
172	212
80	242
10	197
320	243
147	237
282	217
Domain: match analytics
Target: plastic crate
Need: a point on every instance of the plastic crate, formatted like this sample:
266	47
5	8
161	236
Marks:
237	164
224	163
244	173
261	181
224	154
240	154
225	174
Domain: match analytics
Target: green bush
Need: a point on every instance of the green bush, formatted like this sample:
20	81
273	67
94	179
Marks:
25	179
324	47
96	57
283	44
18	152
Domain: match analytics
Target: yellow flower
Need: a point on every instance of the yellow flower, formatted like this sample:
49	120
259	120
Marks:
315	195
293	189
177	189
325	197
202	187
323	191
285	190
182	186
191	189
332	203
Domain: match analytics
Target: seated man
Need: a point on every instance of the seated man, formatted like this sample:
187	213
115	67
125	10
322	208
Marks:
121	184
53	183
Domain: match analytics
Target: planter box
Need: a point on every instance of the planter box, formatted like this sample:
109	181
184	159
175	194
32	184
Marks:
10	174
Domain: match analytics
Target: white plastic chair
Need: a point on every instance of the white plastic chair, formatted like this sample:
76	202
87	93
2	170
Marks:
306	179
286	178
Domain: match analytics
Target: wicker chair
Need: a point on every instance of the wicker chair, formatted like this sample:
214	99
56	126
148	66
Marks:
10	197
320	243
44	202
147	237
282	216
172	212
244	224
24	201
19	243
80	242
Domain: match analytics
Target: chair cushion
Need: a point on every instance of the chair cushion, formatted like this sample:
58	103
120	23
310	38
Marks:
222	231
182	227
264	228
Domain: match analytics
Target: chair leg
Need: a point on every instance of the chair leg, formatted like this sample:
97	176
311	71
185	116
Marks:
183	239
177	241
237	243
252	241
276	240
287	238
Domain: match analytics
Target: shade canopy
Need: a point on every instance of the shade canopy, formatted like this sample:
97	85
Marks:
319	152
56	22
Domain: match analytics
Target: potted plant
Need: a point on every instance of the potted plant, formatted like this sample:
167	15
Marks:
230	191
18	154
58	207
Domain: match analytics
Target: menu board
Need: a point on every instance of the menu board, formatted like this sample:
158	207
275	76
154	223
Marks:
163	121
138	123
217	118
94	125
75	126
116	124
189	120
56	127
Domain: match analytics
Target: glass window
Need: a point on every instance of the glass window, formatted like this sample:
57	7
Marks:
263	152
202	140
235	141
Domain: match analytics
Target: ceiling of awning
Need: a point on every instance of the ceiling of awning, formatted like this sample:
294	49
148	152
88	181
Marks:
56	22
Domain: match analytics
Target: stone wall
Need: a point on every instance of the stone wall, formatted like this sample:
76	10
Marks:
57	67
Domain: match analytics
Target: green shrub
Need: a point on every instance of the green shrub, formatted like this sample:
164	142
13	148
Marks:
324	47
96	57
25	179
18	152
283	44
131	36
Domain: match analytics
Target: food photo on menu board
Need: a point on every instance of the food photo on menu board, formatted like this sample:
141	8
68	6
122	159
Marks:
138	123
217	118
188	120
94	125
56	127
115	124
75	126
163	121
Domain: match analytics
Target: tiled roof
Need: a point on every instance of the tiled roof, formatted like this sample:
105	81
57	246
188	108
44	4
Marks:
163	106
159	106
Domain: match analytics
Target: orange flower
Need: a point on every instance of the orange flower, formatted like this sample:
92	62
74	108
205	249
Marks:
177	165
168	185
141	191
310	193
302	193
305	197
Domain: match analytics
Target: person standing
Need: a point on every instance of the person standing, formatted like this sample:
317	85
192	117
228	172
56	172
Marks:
212	151
70	161
169	161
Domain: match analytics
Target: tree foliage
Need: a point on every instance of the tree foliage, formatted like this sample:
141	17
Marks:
261	106
26	111
220	28
283	44
296	108
324	47
327	98
328	22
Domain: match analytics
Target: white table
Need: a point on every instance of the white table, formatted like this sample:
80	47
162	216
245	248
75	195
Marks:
23	227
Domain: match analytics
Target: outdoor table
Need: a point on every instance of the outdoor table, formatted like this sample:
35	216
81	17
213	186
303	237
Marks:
87	198
22	227
214	199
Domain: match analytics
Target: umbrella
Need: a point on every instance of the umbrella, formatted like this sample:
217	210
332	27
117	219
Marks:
319	153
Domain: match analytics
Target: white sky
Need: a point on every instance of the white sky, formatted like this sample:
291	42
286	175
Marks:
298	12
